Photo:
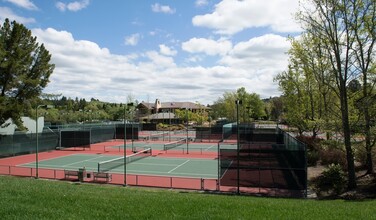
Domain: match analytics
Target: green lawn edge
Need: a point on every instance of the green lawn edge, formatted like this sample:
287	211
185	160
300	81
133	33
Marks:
27	198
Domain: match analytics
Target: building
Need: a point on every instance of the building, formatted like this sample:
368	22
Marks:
164	112
9	128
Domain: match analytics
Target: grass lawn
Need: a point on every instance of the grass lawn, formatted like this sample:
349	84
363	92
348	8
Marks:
25	198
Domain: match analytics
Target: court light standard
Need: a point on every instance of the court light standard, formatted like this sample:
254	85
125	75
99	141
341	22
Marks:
169	126
210	130
186	115
125	142
37	140
247	129
134	115
238	102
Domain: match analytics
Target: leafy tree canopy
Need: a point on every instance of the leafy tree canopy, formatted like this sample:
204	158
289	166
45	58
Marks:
24	70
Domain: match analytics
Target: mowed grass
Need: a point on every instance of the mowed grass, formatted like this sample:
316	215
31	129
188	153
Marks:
25	198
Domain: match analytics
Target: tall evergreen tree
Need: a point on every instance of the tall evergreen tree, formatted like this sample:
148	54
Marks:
24	70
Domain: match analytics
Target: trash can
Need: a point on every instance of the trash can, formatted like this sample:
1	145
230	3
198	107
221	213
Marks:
81	174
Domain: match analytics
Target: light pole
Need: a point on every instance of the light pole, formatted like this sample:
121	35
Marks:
238	102
132	127
247	129
210	130
169	126
37	141
186	115
125	143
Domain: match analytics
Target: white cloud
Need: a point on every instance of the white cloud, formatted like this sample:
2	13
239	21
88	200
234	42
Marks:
265	52
194	59
233	16
162	9
27	4
8	13
86	70
72	6
200	3
207	46
163	49
132	40
61	6
160	61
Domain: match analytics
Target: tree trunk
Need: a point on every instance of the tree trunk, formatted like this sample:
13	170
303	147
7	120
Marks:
347	139
367	131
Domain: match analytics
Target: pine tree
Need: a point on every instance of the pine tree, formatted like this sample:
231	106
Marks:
24	70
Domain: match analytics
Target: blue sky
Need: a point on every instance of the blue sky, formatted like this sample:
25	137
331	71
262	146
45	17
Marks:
173	50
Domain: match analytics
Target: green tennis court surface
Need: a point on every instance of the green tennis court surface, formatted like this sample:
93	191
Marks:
180	167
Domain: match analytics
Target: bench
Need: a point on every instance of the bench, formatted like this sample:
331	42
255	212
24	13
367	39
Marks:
70	173
101	175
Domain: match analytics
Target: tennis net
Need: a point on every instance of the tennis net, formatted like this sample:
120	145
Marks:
107	165
174	144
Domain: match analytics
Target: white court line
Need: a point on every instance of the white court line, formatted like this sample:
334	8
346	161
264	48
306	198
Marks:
164	174
25	164
183	175
154	164
81	161
210	147
57	167
178	166
226	169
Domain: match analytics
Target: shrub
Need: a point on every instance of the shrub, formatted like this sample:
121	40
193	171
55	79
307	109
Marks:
332	153
331	144
331	182
313	147
312	158
181	127
160	126
333	156
360	155
311	143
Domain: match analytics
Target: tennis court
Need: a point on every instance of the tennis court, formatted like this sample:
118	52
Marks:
155	166
176	146
268	160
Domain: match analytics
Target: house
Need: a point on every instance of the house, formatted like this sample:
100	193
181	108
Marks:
164	112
